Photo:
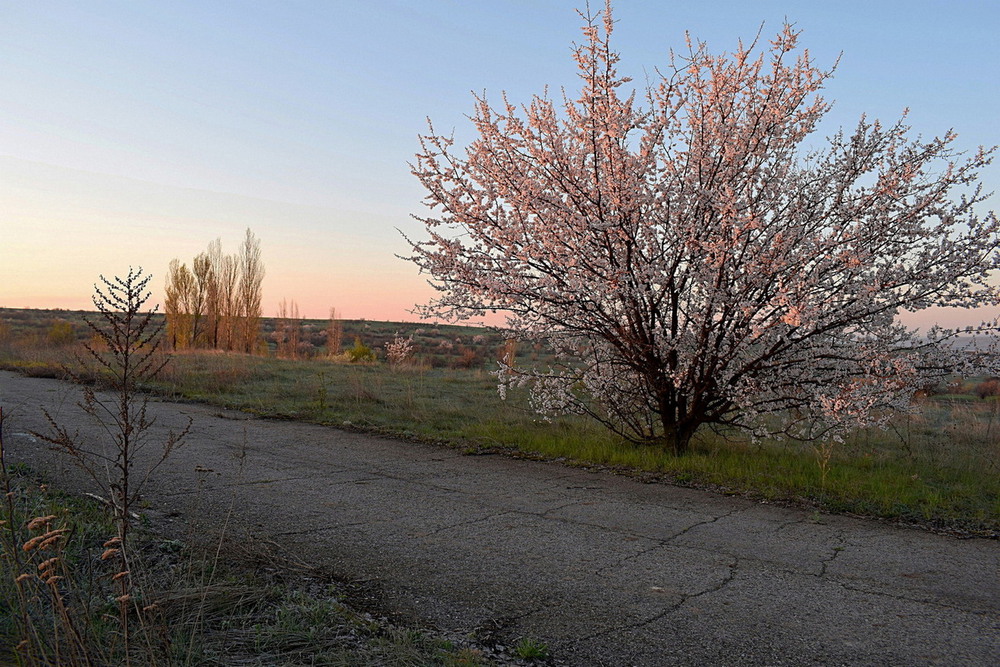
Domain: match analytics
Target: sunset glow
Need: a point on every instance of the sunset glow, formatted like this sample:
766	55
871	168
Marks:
135	133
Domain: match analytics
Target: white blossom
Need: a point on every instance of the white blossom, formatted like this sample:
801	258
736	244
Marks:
691	264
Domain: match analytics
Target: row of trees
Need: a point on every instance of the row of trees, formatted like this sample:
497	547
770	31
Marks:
216	303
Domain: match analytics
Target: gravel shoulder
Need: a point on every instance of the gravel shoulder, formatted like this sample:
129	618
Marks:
606	570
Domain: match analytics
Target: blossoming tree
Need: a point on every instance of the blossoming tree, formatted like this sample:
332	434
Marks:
698	258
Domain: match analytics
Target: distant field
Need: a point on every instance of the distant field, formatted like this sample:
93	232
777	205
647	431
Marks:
434	345
939	468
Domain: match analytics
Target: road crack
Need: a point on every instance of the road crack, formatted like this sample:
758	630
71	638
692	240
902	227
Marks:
625	559
321	529
467	522
702	523
840	546
733	567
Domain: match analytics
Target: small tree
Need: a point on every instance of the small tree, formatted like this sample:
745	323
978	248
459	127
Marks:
690	263
249	292
177	305
225	269
399	350
288	330
200	302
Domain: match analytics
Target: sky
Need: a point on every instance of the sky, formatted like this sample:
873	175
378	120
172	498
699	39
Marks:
134	132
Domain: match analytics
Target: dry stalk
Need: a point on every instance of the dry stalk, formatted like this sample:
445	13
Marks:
824	452
124	352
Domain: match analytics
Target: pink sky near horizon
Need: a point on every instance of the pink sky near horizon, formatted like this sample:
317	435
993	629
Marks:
135	132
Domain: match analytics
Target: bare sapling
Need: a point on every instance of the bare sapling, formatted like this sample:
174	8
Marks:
334	335
288	330
124	355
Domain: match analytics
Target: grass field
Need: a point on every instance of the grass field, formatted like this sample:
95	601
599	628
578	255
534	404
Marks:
938	467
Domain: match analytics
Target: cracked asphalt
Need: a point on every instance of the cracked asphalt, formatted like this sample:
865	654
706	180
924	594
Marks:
605	570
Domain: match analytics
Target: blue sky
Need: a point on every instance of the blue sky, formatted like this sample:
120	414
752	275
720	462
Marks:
136	132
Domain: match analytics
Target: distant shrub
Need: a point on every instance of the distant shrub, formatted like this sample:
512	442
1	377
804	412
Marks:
956	386
988	387
360	352
467	358
61	333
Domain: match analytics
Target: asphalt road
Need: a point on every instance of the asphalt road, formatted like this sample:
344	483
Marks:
604	569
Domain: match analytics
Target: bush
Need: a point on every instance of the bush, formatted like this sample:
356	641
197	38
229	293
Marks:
60	334
467	358
360	352
988	387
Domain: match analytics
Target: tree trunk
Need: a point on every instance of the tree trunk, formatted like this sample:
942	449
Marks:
675	416
677	435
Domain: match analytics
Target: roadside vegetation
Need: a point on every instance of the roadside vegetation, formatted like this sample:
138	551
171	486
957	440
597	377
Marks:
255	606
88	580
938	467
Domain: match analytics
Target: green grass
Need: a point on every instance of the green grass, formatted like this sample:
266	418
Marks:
528	648
938	468
455	406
